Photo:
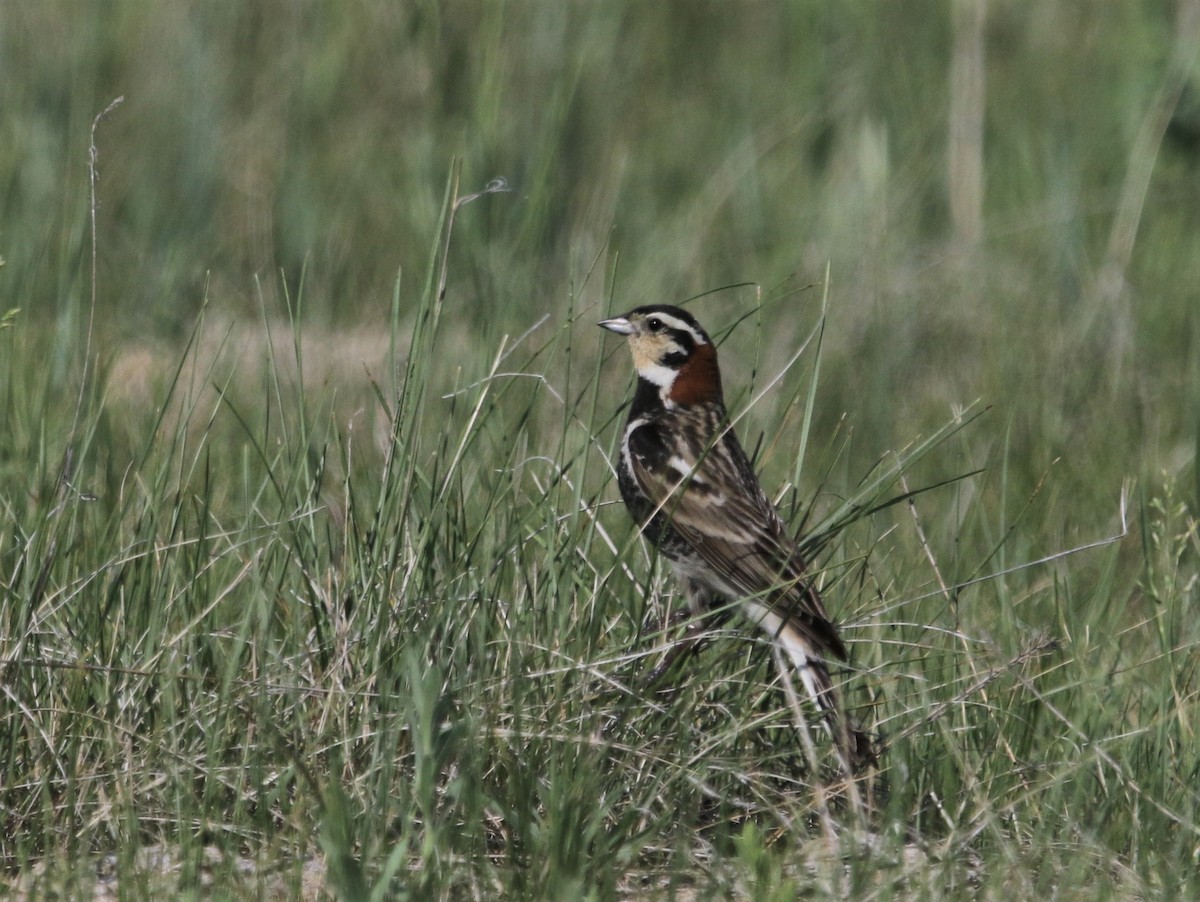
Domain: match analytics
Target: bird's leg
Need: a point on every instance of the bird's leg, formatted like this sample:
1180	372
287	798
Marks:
679	650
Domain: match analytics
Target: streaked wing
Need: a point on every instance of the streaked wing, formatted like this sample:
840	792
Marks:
714	502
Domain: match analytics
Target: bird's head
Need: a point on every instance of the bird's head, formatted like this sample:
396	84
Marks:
671	352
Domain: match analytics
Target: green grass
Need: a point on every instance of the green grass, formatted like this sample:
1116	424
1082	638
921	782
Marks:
313	577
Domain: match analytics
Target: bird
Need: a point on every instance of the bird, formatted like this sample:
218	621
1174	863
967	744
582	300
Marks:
689	486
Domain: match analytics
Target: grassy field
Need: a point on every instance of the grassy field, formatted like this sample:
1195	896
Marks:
314	581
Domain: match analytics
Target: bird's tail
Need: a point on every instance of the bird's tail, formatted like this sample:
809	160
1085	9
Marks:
855	745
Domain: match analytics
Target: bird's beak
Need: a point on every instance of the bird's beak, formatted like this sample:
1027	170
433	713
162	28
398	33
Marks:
619	324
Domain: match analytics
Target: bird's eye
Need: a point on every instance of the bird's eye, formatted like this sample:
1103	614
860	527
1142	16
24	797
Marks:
654	324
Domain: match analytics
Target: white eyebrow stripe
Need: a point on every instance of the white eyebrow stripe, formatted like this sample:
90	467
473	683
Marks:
674	322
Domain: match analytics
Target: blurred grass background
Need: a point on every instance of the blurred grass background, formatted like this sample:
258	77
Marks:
701	146
1006	195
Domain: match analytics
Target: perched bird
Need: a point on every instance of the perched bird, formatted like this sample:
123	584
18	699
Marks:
688	484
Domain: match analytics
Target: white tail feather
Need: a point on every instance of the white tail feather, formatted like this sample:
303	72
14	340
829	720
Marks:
854	748
808	666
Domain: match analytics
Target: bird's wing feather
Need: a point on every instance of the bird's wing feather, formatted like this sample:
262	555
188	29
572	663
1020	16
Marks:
715	503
